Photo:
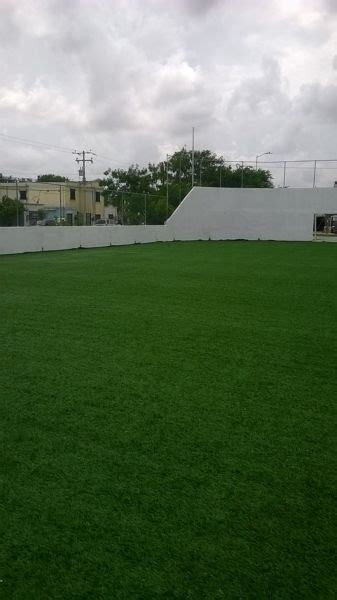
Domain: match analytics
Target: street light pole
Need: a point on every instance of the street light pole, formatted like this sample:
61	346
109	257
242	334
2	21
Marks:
258	156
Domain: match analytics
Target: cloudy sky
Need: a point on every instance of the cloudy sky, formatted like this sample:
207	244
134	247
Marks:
129	79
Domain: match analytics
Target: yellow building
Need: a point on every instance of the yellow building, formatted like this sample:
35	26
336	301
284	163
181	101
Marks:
74	203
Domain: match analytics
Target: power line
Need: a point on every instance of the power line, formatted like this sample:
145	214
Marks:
20	140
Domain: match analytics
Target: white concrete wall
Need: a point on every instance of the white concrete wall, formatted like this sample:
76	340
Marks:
205	213
266	214
35	239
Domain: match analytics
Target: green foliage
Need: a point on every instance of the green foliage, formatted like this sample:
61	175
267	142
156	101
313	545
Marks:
11	212
168	422
51	177
6	179
128	186
10	179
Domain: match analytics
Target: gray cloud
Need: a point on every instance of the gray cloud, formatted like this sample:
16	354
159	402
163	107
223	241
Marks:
199	7
130	79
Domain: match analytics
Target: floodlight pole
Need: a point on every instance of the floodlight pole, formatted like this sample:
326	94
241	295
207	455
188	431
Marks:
180	175
192	157
167	188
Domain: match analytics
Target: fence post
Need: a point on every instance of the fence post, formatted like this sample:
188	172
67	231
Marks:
242	174
145	206
122	208
284	173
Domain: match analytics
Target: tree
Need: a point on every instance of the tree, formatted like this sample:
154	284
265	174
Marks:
51	177
126	188
11	212
6	179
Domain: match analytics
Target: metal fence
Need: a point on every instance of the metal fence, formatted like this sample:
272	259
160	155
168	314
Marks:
140	208
308	173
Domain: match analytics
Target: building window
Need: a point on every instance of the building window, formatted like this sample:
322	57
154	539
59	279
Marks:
23	194
72	194
69	218
98	217
98	196
111	217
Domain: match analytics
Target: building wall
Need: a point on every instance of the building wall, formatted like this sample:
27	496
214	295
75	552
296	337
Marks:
56	197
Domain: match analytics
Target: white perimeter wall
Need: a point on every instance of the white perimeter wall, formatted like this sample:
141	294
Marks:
205	213
35	239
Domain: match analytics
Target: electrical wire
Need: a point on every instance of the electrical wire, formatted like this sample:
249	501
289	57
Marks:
20	140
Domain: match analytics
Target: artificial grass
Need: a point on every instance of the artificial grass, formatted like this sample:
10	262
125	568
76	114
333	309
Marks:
168	422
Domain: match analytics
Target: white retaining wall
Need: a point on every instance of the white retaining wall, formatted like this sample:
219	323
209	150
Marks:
266	214
205	213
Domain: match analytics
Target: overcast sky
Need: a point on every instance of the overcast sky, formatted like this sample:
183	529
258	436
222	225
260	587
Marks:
129	79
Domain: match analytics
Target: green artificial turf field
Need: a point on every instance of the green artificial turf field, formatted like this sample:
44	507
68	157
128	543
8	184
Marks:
168	420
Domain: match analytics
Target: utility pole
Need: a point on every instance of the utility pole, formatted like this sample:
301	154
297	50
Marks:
83	160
